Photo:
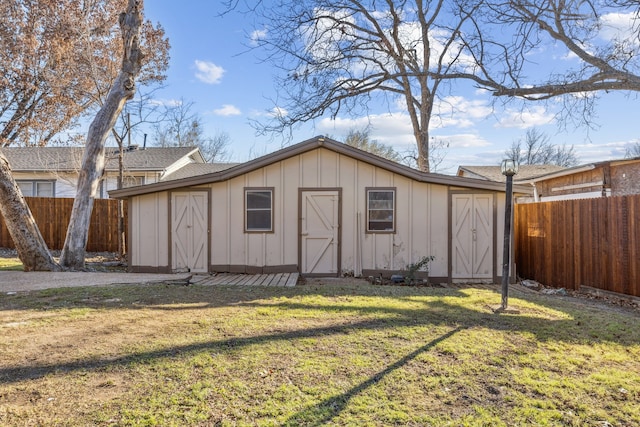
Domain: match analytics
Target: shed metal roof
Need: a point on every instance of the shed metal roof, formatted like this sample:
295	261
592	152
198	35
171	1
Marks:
306	146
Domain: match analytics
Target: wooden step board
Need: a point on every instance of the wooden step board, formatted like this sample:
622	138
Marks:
227	279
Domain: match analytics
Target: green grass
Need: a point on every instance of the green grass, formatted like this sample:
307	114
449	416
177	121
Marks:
314	355
10	264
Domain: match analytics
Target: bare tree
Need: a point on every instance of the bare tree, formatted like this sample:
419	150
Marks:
599	40
123	89
536	149
215	148
180	127
360	139
633	150
437	153
54	66
31	247
337	56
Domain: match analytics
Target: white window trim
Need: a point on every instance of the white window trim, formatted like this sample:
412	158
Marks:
34	186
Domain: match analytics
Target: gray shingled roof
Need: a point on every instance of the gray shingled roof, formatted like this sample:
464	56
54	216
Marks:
493	173
195	169
69	158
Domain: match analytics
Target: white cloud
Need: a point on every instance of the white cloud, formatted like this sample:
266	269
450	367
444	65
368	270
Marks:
208	72
459	112
618	26
536	116
589	153
395	128
227	110
257	35
278	112
464	140
166	102
391	128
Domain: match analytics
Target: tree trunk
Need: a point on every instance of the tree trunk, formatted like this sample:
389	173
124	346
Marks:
123	89
31	247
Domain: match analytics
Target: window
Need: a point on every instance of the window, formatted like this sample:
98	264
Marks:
132	181
258	204
36	188
381	206
26	187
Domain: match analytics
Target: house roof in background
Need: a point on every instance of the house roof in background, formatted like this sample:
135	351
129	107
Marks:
195	169
68	159
304	147
493	173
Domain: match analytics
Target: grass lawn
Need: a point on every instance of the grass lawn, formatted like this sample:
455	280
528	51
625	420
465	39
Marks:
314	355
10	264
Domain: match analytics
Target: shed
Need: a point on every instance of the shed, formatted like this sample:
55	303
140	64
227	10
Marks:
321	208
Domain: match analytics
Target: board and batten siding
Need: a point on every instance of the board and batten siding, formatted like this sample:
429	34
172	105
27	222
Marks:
149	233
421	216
422	219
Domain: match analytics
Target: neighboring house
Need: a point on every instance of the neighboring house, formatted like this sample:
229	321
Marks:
53	171
493	173
549	183
320	208
600	179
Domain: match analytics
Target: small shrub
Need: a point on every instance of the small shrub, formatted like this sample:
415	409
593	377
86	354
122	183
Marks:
421	265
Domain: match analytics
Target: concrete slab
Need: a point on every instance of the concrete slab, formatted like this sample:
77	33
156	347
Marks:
20	281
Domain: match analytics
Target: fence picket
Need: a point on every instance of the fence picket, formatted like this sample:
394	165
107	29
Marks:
52	216
573	243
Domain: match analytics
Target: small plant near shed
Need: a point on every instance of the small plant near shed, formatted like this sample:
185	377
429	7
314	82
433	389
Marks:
407	276
421	265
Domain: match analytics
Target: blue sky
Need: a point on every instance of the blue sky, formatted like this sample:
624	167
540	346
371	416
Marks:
229	86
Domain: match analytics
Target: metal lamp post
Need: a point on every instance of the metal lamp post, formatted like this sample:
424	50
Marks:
509	169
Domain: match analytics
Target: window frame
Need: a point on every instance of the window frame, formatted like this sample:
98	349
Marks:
248	190
391	190
132	180
34	186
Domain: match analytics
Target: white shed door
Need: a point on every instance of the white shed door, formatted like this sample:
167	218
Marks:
189	231
319	233
472	236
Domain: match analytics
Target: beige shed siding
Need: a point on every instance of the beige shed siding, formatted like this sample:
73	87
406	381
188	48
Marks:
422	218
420	209
149	235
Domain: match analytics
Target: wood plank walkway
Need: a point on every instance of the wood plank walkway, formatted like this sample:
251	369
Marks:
226	279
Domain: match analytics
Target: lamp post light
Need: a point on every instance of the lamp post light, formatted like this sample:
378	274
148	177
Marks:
509	169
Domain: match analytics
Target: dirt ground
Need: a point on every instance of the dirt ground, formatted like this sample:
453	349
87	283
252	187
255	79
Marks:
102	268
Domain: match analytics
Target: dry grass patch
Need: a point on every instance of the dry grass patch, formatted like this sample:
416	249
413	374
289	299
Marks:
13	264
314	355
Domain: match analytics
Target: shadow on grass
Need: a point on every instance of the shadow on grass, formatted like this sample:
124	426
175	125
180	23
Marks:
432	311
328	409
175	298
29	372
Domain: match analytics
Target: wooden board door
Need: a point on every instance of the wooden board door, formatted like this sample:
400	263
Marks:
189	231
472	228
319	232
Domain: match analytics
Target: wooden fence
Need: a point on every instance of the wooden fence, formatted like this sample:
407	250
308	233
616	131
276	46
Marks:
574	243
52	216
